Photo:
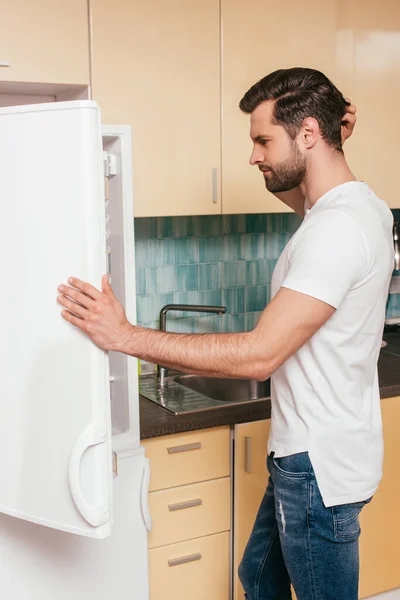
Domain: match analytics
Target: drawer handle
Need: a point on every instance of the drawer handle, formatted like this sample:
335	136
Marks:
5	63
184	448
247	454
188	504
184	559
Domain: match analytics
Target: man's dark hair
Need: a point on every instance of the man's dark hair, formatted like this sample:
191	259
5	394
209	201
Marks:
300	93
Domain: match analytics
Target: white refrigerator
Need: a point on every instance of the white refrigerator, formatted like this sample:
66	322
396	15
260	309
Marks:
70	526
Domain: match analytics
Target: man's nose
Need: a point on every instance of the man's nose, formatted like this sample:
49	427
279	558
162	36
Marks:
256	157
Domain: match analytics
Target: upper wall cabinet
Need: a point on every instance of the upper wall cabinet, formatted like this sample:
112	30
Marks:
269	36
358	49
368	47
44	41
156	66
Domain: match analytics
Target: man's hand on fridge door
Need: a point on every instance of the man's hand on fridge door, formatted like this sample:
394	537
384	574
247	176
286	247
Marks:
98	314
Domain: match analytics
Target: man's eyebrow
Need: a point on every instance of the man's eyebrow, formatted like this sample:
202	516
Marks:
260	138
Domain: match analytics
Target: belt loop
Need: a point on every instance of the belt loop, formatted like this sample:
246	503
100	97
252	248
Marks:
272	454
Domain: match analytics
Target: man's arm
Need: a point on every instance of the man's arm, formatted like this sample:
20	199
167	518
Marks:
289	320
286	324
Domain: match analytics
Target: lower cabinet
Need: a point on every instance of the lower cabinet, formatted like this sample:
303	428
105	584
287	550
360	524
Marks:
195	570
190	511
190	505
251	477
380	520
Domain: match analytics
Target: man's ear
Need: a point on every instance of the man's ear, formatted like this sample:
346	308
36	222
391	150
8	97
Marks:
309	132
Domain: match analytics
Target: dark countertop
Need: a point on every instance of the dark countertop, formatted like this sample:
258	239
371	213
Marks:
156	421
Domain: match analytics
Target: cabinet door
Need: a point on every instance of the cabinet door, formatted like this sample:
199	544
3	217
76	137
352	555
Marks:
156	67
371	37
272	35
251	477
380	520
44	41
359	52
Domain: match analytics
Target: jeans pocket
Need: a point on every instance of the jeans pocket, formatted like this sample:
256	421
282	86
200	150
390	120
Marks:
294	466
346	522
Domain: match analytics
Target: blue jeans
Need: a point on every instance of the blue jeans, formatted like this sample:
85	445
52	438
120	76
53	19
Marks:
297	540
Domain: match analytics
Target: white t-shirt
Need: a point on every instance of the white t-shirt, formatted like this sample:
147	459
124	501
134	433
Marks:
325	398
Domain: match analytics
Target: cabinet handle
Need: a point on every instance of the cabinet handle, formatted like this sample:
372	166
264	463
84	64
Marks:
5	63
215	185
184	559
184	448
247	454
188	504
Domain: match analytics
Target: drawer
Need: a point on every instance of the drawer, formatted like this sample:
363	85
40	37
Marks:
191	570
190	511
188	457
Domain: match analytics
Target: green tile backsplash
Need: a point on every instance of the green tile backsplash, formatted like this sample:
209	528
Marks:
220	260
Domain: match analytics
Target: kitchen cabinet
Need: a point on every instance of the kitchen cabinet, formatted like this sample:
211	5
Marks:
380	520
358	50
44	41
156	66
195	569
373	40
251	477
187	458
176	72
190	511
190	505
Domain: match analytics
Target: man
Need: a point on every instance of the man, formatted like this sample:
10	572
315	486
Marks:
319	338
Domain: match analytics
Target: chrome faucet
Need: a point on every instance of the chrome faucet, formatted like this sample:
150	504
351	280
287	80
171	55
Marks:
162	372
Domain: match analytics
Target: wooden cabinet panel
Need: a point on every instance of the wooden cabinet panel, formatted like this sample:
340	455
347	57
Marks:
272	35
193	570
190	511
45	41
372	40
188	457
360	53
251	478
156	66
189	554
380	520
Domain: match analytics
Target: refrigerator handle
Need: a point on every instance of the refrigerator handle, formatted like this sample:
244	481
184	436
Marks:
94	515
145	494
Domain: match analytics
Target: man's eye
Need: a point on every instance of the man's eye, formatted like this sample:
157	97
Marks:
263	142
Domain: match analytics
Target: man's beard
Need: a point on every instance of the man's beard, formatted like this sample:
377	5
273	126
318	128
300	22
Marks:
286	175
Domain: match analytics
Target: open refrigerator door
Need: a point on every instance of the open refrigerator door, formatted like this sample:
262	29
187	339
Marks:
55	409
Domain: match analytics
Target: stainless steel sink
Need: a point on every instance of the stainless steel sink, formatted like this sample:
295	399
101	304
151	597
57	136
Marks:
226	390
